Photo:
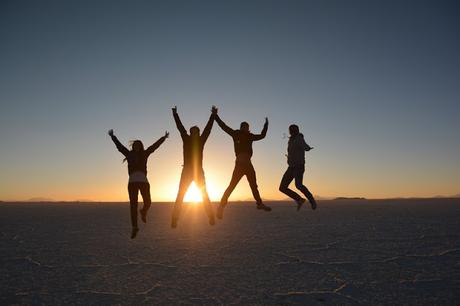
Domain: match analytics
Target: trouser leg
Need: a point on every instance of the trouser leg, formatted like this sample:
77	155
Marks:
298	176
145	192
201	183
284	185
133	189
251	176
185	180
236	177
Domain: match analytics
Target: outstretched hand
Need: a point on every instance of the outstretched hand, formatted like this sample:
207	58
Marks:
214	110
174	109
166	134
110	132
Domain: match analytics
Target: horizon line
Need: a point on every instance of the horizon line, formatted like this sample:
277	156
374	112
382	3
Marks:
233	201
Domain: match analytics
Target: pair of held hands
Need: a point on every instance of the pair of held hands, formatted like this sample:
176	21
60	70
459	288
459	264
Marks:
214	111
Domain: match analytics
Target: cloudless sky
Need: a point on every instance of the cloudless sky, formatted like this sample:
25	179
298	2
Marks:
373	85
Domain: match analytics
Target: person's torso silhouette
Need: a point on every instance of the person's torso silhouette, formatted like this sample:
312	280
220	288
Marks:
193	147
193	143
296	150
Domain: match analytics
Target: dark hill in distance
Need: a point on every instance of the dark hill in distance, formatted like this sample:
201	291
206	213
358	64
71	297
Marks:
40	199
351	198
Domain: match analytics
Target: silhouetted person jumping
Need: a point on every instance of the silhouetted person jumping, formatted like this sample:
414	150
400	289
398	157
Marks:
242	142
137	169
192	170
296	161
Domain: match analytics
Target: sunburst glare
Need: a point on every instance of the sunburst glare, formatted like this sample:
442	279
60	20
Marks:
193	194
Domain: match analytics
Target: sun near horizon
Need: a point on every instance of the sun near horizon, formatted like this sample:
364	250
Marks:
193	195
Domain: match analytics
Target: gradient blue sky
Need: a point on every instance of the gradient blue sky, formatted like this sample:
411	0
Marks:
374	86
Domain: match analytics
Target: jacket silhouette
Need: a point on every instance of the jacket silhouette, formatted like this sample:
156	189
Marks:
193	146
137	161
242	141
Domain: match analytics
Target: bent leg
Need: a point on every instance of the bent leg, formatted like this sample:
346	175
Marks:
145	192
251	176
236	177
133	193
284	184
298	175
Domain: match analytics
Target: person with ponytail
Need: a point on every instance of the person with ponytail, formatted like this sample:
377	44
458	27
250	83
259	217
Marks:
137	170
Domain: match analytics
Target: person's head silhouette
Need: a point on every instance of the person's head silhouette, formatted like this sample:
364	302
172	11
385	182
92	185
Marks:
194	131
137	146
293	129
244	127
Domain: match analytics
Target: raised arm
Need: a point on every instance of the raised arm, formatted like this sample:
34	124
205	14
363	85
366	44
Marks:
225	127
179	124
123	150
157	144
263	133
208	127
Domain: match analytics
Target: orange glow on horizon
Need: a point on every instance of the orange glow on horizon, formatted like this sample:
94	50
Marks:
193	194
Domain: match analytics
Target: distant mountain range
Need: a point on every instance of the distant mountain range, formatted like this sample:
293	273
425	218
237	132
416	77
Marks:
456	196
43	199
39	199
350	198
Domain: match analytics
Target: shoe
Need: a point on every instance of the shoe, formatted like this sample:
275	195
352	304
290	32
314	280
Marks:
312	203
134	232
212	221
220	212
264	207
300	203
143	215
